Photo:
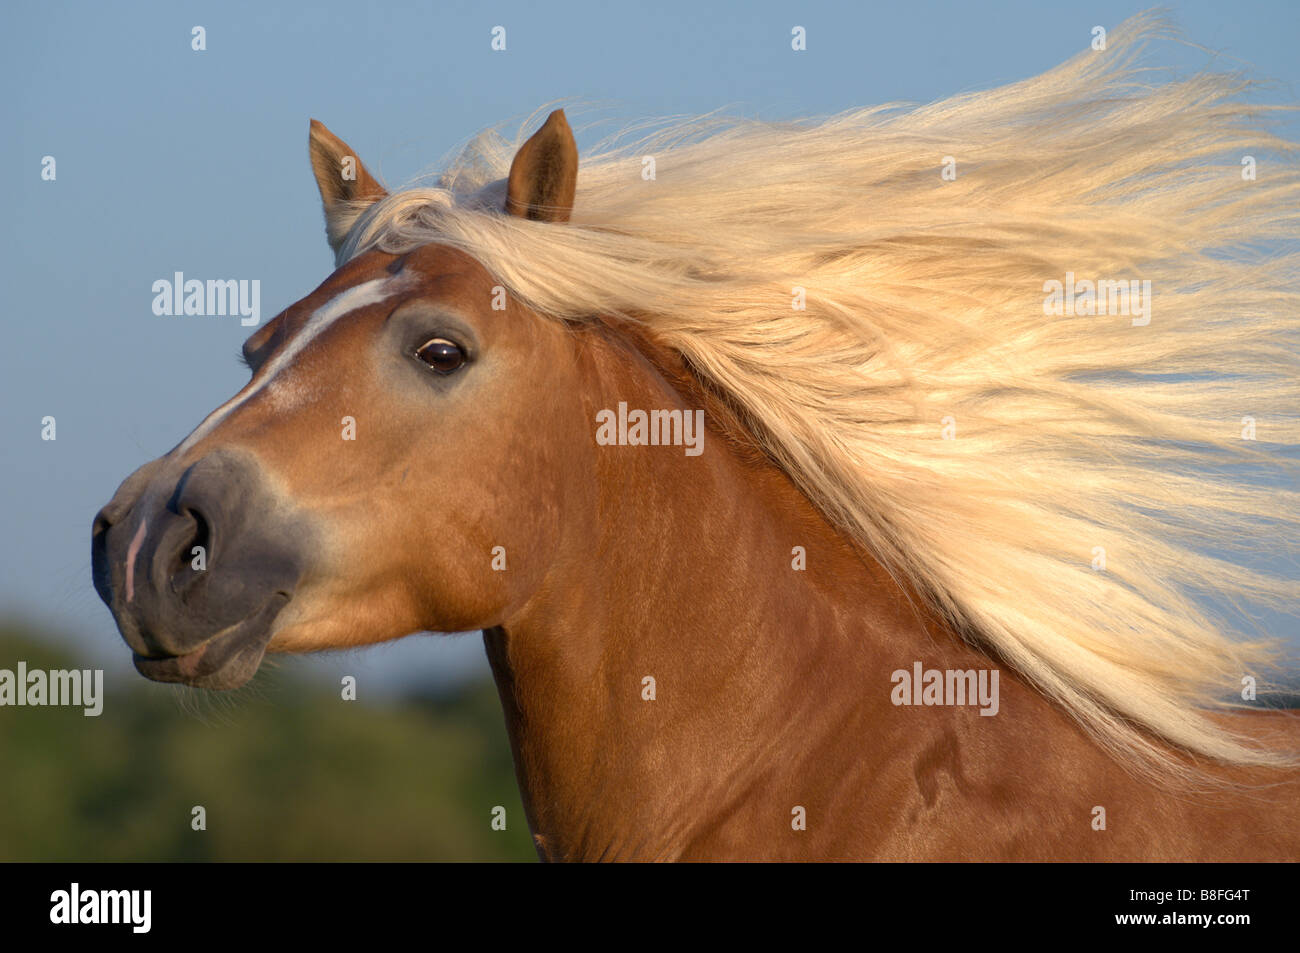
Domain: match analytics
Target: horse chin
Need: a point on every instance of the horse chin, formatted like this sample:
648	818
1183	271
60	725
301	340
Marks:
227	660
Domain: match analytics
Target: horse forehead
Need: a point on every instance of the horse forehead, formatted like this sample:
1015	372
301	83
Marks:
434	271
446	270
426	272
441	259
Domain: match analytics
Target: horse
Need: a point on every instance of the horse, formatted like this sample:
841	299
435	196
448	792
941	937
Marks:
796	524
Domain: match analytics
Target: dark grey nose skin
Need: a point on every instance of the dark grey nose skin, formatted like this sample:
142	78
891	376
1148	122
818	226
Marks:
195	592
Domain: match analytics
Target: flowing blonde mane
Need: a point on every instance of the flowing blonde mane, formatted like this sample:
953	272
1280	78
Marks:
1075	438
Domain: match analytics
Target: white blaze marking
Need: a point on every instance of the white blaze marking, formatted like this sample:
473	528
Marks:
344	302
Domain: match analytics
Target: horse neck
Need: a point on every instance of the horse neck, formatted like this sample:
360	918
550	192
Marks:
682	569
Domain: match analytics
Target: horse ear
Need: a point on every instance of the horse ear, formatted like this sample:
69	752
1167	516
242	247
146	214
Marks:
346	187
544	174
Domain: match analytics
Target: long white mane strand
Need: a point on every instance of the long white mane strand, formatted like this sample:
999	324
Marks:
1076	438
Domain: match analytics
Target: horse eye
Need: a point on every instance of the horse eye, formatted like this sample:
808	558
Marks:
442	355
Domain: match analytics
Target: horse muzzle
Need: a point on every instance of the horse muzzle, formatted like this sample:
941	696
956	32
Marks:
196	566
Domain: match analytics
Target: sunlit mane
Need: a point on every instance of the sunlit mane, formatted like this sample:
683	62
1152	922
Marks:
1071	490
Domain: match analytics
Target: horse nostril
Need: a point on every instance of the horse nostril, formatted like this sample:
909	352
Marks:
100	575
202	536
195	554
102	522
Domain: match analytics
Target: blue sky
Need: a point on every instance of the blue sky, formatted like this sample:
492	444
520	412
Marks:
174	160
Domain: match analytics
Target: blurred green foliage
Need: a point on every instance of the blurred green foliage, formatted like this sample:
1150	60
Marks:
285	771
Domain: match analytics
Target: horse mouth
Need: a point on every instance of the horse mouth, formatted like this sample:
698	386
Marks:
227	660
